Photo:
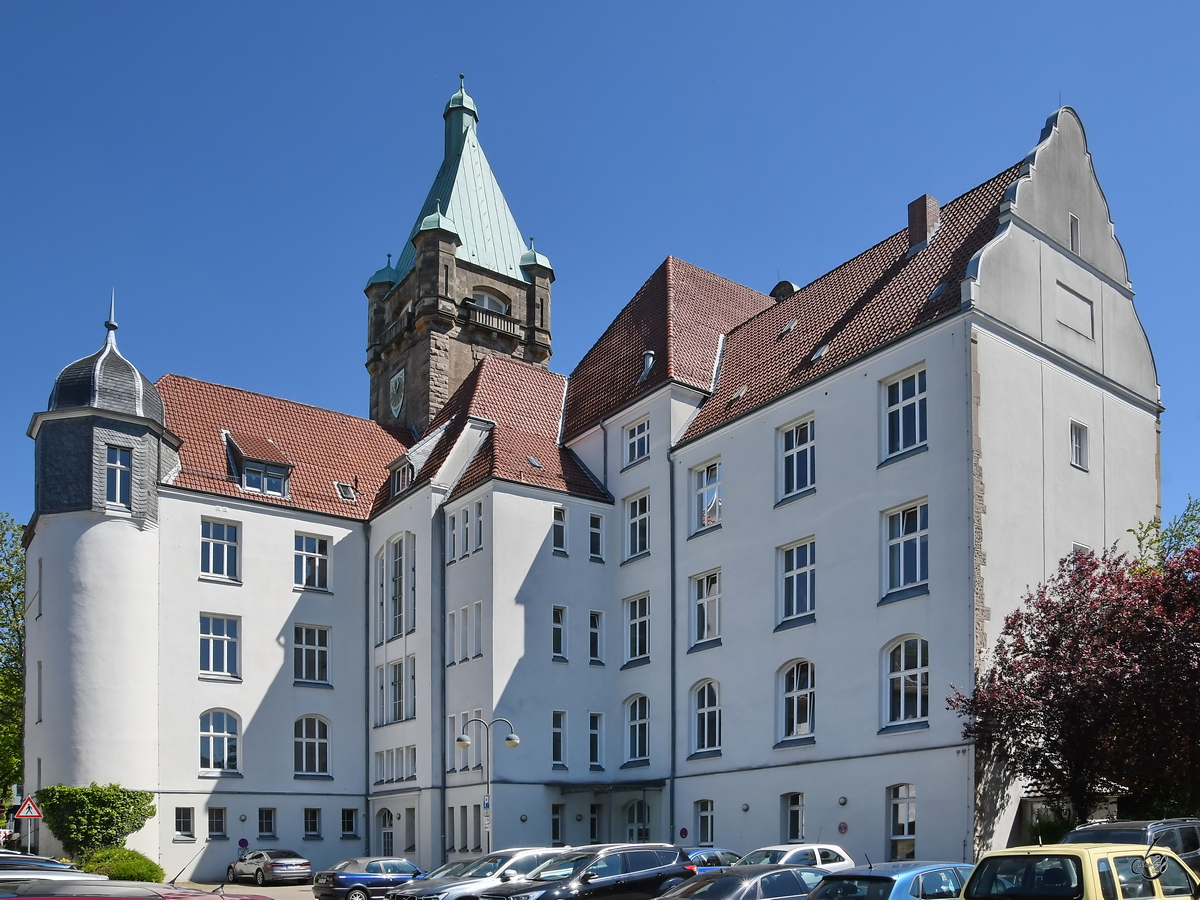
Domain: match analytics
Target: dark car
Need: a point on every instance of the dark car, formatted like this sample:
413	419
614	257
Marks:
118	890
486	872
894	881
613	872
270	866
446	870
708	858
363	877
1180	835
22	867
749	883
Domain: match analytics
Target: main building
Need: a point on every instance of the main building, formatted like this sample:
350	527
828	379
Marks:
278	618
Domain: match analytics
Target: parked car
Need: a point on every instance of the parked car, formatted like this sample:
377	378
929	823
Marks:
119	890
270	866
9	876
446	870
708	858
634	871
486	872
748	883
363	877
827	856
1181	836
894	881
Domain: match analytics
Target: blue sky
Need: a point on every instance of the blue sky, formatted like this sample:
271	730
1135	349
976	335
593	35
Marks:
238	170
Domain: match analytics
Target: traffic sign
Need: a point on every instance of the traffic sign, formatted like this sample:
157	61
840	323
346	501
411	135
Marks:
28	810
487	801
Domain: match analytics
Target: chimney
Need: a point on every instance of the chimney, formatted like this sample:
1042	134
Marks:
923	217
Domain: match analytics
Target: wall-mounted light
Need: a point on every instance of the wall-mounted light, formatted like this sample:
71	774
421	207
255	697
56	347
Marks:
841	801
242	818
578	817
745	807
524	818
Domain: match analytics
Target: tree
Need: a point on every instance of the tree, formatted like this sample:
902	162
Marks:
1091	688
1157	542
12	652
88	818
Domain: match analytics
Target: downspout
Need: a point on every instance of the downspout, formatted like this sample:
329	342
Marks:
367	660
604	432
438	564
671	782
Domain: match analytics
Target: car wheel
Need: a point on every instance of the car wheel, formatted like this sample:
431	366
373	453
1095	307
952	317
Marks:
230	874
357	894
259	878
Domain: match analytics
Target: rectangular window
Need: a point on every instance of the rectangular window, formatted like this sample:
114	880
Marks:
908	547
595	812
118	474
478	524
793	813
903	802
310	654
799	594
218	645
183	822
1079	446
639	525
312	561
637	442
476	828
559	530
380	597
706	594
464	520
799	458
908	680
464	635
451	536
477	746
1073	229
596	537
450	846
452	749
264	479
558	727
410	699
906	426
704	823
397	555
380	703
410	761
707	481
558	625
464	753
312	821
349	822
218	548
557	813
451	635
397	712
639	728
595	739
595	633
216	821
462	821
478	629
638	617
266	821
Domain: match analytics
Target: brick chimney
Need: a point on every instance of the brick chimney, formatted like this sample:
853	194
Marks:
923	216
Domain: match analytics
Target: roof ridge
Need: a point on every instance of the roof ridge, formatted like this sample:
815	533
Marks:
617	318
239	390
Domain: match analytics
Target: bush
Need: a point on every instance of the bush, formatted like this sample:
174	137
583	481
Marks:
88	818
123	864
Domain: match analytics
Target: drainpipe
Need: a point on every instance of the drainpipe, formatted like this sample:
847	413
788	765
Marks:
674	736
604	432
438	654
367	660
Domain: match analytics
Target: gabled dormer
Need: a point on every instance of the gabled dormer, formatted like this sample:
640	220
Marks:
258	465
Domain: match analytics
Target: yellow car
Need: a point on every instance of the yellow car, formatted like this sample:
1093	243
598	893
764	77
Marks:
1081	872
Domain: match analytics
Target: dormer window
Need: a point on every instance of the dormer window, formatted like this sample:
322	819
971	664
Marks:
264	478
484	300
257	463
402	479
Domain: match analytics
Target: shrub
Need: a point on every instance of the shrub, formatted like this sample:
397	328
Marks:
88	818
123	864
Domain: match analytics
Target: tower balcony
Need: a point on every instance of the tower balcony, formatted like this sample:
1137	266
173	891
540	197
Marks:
486	318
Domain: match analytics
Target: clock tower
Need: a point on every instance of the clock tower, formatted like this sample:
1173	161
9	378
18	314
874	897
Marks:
465	286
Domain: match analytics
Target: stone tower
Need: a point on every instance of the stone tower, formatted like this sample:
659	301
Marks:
465	286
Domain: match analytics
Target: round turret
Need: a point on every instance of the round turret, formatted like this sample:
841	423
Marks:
386	275
461	100
436	221
532	258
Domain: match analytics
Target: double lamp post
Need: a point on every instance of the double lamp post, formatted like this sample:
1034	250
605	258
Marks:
464	742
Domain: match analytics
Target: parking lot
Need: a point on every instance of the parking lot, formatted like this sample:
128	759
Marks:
281	891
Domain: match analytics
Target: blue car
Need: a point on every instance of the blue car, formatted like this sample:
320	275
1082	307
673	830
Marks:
707	859
363	878
894	881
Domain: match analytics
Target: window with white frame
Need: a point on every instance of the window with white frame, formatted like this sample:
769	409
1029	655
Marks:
1073	231
799	457
464	523
637	617
380	701
397	710
118	477
706	700
793	818
908	680
908	546
478	524
799	594
558	530
410	761
381	597
410	693
798	694
387	834
218	645
464	633
477	629
397	557
595	739
558	629
477	747
1079	445
637	441
264	478
484	300
595	636
266	821
637	712
637	822
452	736
706	482
183	822
596	536
312	822
349	822
902	830
638	509
312	561
402	479
464	753
558	737
310	653
451	636
219	548
906	425
705	820
451	538
216	821
218	741
706	607
311	746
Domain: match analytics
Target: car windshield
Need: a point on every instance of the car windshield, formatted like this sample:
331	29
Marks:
1107	836
1050	876
758	857
450	868
726	887
282	854
560	867
861	887
489	865
341	865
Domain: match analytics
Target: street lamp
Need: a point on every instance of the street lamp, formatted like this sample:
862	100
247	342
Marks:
464	741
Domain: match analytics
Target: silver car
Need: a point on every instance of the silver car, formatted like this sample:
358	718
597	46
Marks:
486	872
270	867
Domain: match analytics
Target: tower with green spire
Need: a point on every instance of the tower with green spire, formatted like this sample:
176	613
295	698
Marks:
466	285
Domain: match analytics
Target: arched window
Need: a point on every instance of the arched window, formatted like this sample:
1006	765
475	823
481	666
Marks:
218	741
637	817
797	691
908	679
312	746
639	728
488	301
387	840
707	702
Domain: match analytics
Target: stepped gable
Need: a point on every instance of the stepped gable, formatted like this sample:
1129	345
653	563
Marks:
863	304
322	446
679	313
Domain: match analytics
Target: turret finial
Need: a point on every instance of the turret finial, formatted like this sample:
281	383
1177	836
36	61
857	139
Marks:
531	242
111	324
462	81
389	260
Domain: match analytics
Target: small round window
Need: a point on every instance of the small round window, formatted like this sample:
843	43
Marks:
488	301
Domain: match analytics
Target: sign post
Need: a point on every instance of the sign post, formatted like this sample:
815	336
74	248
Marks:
28	810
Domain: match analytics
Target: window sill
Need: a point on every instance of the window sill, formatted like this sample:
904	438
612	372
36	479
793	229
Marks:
904	726
636	462
451	663
903	454
227	679
179	839
596	662
705	754
268	837
313	684
350	837
558	658
218	579
451	562
796	622
634	663
636	557
217	837
305	776
558	552
704	645
635	764
1079	467
559	767
477	656
596	559
394	637
709	529
305	589
220	774
595	767
917	590
799	495
806	741
312	837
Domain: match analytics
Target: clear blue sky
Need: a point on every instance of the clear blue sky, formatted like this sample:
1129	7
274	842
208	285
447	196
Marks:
238	170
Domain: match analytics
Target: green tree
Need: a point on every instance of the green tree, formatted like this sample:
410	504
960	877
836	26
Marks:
12	652
1158	541
88	818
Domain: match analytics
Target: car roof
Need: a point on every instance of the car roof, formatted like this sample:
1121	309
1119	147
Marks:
1070	849
900	867
805	846
749	871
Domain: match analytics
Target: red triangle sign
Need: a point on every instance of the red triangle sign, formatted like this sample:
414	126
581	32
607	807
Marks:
28	810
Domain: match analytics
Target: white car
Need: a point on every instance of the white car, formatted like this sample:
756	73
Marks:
827	856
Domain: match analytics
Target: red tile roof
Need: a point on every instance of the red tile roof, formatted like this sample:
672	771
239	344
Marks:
679	313
858	307
324	446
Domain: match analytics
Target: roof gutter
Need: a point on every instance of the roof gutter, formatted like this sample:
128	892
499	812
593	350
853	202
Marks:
674	724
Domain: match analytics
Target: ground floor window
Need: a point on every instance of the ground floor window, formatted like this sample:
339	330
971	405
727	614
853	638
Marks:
903	802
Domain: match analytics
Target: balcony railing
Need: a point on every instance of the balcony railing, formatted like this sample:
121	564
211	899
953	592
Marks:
495	321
